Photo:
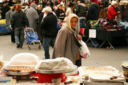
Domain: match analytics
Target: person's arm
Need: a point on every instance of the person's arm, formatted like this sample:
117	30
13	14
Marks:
113	12
8	19
25	20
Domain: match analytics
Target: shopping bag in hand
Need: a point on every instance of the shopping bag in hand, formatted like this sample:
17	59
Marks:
84	51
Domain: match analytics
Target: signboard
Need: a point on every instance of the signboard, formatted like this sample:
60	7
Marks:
92	33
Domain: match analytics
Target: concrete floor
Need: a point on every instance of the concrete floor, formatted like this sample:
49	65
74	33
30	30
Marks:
99	56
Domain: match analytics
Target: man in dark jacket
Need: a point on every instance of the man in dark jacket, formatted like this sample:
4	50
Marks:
93	12
19	21
49	30
81	11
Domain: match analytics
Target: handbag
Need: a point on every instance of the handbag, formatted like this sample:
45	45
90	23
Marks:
84	51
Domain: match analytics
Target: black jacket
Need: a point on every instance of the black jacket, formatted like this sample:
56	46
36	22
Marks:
124	13
81	10
93	12
49	26
19	19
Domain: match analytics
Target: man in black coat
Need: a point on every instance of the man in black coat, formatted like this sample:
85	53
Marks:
81	11
49	30
93	12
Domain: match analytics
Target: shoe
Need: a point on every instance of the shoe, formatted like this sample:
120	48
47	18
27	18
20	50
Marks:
18	45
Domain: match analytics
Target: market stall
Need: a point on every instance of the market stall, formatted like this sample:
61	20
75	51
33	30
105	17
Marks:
3	28
59	71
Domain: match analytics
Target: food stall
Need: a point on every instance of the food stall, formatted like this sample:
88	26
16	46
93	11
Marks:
27	67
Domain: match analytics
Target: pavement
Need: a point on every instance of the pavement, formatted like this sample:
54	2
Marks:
99	56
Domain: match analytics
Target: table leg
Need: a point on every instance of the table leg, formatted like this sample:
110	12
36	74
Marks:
102	44
110	44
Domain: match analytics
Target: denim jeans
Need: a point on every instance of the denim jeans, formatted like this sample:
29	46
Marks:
19	36
47	42
82	23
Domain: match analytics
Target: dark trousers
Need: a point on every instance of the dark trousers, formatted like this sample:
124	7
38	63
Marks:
78	63
47	42
12	36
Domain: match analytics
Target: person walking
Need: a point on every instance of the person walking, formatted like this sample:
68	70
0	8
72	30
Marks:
32	16
9	15
49	30
18	22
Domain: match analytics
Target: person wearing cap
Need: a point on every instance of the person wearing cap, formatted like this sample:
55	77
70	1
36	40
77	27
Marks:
112	13
49	30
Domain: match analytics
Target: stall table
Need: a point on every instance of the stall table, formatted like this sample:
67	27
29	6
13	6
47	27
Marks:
108	35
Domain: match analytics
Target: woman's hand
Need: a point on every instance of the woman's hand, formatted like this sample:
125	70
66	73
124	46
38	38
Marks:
79	37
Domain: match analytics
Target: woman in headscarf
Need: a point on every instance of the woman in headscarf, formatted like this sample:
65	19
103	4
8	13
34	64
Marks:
66	44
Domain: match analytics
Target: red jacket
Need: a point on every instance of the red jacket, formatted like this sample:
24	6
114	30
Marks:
96	1
111	13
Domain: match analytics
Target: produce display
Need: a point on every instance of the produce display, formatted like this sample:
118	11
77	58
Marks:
1	64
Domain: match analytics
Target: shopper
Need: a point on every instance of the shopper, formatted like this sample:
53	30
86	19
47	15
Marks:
66	44
32	16
19	21
81	11
49	30
9	15
93	12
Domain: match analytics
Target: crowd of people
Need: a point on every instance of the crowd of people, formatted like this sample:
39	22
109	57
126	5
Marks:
58	22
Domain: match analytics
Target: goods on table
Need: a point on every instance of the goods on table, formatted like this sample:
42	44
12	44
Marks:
125	69
1	64
21	64
58	65
3	21
105	73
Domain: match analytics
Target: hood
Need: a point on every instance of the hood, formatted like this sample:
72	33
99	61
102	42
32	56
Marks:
67	22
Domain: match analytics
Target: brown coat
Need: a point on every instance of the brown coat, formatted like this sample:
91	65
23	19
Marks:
66	45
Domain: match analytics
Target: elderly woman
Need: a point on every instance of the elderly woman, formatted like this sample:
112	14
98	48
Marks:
66	44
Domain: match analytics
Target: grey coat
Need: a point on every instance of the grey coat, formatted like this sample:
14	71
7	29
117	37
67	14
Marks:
9	15
65	45
32	16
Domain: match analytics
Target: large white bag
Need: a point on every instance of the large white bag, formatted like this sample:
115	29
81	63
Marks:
84	51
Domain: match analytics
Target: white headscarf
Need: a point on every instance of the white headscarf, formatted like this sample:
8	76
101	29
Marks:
67	23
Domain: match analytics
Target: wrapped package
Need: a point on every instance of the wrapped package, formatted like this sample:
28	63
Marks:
56	65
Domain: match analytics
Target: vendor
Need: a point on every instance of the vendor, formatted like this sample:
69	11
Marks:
66	44
112	13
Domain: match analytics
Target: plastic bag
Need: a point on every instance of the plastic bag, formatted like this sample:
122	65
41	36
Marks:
84	51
